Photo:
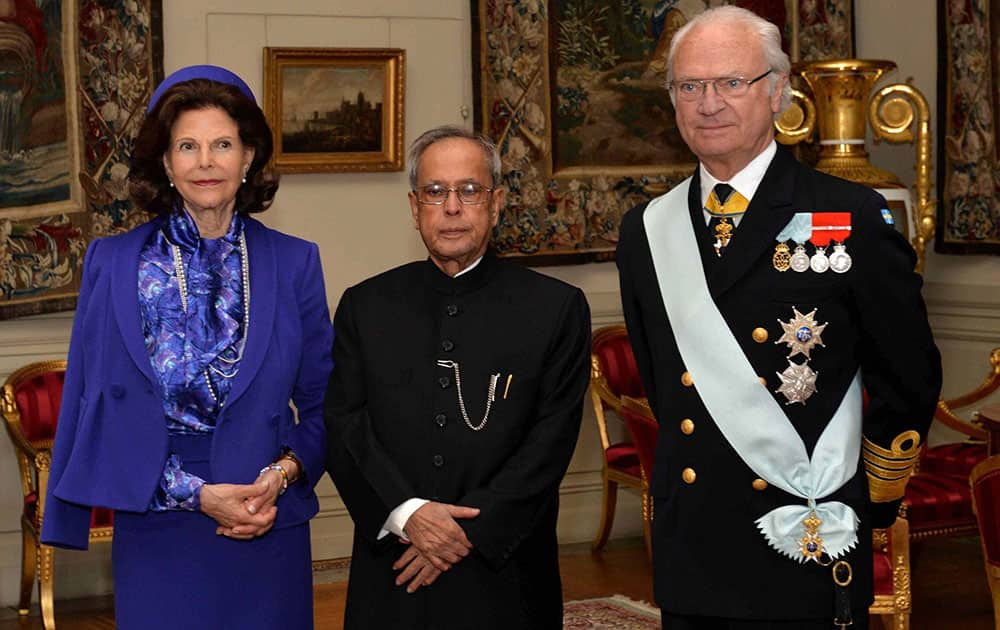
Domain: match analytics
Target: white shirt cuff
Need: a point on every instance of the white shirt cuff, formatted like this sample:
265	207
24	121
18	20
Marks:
398	518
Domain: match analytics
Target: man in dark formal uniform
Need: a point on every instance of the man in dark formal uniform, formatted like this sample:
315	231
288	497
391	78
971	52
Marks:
764	300
453	411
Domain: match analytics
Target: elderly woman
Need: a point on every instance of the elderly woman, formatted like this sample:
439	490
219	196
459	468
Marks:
192	334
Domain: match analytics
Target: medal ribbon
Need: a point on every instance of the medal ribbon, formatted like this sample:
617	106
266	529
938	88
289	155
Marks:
827	226
798	229
725	200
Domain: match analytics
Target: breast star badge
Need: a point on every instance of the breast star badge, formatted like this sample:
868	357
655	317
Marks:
802	333
798	383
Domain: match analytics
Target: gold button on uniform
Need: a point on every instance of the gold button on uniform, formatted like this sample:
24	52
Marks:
759	335
688	475
686	379
763	381
759	484
687	426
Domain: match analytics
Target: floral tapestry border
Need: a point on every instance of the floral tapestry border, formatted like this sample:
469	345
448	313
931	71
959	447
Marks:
969	112
117	60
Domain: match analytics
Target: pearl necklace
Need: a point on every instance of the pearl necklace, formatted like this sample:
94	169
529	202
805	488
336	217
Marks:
245	278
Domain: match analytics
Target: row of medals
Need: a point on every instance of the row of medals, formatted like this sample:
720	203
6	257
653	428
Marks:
839	261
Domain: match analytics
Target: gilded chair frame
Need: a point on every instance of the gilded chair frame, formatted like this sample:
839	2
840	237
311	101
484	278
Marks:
945	412
640	406
988	466
602	396
895	608
34	459
975	433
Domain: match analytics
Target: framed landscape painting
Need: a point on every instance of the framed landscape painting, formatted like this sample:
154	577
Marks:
335	109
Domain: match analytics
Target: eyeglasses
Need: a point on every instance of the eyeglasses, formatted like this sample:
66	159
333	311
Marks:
725	87
469	194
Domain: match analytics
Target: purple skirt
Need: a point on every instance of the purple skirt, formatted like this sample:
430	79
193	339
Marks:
172	571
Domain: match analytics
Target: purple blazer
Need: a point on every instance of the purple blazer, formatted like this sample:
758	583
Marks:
111	441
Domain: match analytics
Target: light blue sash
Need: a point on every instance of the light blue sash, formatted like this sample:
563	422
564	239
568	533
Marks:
749	417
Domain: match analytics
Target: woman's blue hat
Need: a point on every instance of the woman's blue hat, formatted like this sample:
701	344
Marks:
212	73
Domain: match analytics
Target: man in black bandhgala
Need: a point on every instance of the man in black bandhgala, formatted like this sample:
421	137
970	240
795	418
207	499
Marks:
453	411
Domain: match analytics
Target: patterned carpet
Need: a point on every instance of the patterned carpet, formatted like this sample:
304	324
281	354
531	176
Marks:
610	613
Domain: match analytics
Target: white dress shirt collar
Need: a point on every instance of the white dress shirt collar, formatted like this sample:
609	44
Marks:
469	268
744	182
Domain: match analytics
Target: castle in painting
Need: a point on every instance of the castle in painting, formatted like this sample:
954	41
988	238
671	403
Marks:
354	126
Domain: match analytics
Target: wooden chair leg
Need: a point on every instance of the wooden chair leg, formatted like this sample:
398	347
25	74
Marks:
647	522
29	560
608	503
993	579
46	577
996	605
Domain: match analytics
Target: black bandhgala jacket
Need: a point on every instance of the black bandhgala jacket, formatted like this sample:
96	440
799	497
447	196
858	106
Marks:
396	431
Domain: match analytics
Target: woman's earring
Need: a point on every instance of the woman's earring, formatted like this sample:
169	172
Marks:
245	171
171	183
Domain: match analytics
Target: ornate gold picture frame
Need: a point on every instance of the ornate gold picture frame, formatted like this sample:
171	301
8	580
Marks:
335	109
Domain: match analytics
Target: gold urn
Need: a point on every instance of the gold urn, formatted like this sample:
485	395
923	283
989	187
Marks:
838	110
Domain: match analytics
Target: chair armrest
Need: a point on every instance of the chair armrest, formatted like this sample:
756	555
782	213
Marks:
989	385
947	417
989	418
12	416
599	384
43	462
638	405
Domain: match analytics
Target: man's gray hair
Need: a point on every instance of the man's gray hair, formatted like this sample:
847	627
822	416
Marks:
444	132
767	34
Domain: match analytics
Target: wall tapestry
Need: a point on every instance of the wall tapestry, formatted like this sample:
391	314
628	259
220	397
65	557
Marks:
572	91
969	113
75	77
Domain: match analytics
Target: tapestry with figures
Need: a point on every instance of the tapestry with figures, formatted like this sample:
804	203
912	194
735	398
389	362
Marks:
969	113
75	76
573	93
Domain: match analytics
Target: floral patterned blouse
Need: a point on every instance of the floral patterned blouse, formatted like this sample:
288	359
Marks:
195	352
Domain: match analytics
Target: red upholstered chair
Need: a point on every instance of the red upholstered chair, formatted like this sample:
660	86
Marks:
30	406
985	483
891	560
938	501
644	429
613	373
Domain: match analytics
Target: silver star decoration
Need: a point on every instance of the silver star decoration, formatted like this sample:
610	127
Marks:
802	333
798	383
